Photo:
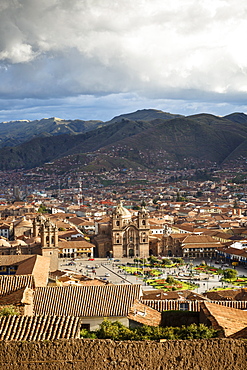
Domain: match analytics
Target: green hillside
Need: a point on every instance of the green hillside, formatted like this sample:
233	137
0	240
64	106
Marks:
145	115
237	117
153	144
17	132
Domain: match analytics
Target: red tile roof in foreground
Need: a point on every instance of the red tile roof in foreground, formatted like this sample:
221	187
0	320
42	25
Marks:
13	283
33	328
228	320
144	314
86	301
229	295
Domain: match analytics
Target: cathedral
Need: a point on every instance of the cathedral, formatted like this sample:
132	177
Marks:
124	235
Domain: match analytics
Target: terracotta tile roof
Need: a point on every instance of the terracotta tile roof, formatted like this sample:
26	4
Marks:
178	236
86	301
199	246
217	234
30	264
13	259
192	305
75	244
37	328
199	239
230	294
144	314
159	294
235	251
12	283
76	220
14	298
240	334
228	320
35	265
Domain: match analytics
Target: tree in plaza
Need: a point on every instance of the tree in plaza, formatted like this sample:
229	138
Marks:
171	280
178	260
152	260
230	274
42	209
166	261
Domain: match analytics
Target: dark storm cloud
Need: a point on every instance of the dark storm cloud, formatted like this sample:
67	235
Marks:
156	50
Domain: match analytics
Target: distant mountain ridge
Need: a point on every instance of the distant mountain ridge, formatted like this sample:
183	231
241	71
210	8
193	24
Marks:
145	115
13	133
16	132
157	140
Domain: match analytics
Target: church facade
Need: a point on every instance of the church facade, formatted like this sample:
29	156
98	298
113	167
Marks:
124	235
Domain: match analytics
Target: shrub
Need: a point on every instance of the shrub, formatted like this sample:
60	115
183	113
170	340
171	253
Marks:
170	280
117	331
9	310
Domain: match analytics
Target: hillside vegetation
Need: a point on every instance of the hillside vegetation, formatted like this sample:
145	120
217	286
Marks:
149	143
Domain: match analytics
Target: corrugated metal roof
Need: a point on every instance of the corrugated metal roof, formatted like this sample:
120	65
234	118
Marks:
86	301
31	328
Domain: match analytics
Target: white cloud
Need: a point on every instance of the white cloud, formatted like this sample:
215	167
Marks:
156	49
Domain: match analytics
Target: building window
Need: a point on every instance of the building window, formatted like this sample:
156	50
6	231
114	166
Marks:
85	326
184	306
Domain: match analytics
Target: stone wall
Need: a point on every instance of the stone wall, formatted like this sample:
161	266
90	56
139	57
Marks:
214	354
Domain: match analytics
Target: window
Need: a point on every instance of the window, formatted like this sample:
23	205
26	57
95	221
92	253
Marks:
184	306
85	326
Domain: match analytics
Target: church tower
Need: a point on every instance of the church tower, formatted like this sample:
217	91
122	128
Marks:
49	243
143	232
121	217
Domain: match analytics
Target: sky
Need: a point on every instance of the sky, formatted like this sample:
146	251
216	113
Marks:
96	59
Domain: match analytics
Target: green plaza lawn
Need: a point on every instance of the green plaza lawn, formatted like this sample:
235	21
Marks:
140	271
208	270
164	285
240	281
150	277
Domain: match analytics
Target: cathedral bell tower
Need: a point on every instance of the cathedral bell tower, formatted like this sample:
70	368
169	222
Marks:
49	243
143	232
121	217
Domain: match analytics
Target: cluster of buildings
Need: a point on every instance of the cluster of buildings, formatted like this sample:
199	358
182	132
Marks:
115	228
37	232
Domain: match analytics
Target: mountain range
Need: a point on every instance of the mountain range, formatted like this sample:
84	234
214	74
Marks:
148	138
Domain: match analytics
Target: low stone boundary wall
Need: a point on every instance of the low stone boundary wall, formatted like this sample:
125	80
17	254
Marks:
208	354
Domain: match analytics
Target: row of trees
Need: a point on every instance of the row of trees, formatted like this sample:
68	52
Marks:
117	331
